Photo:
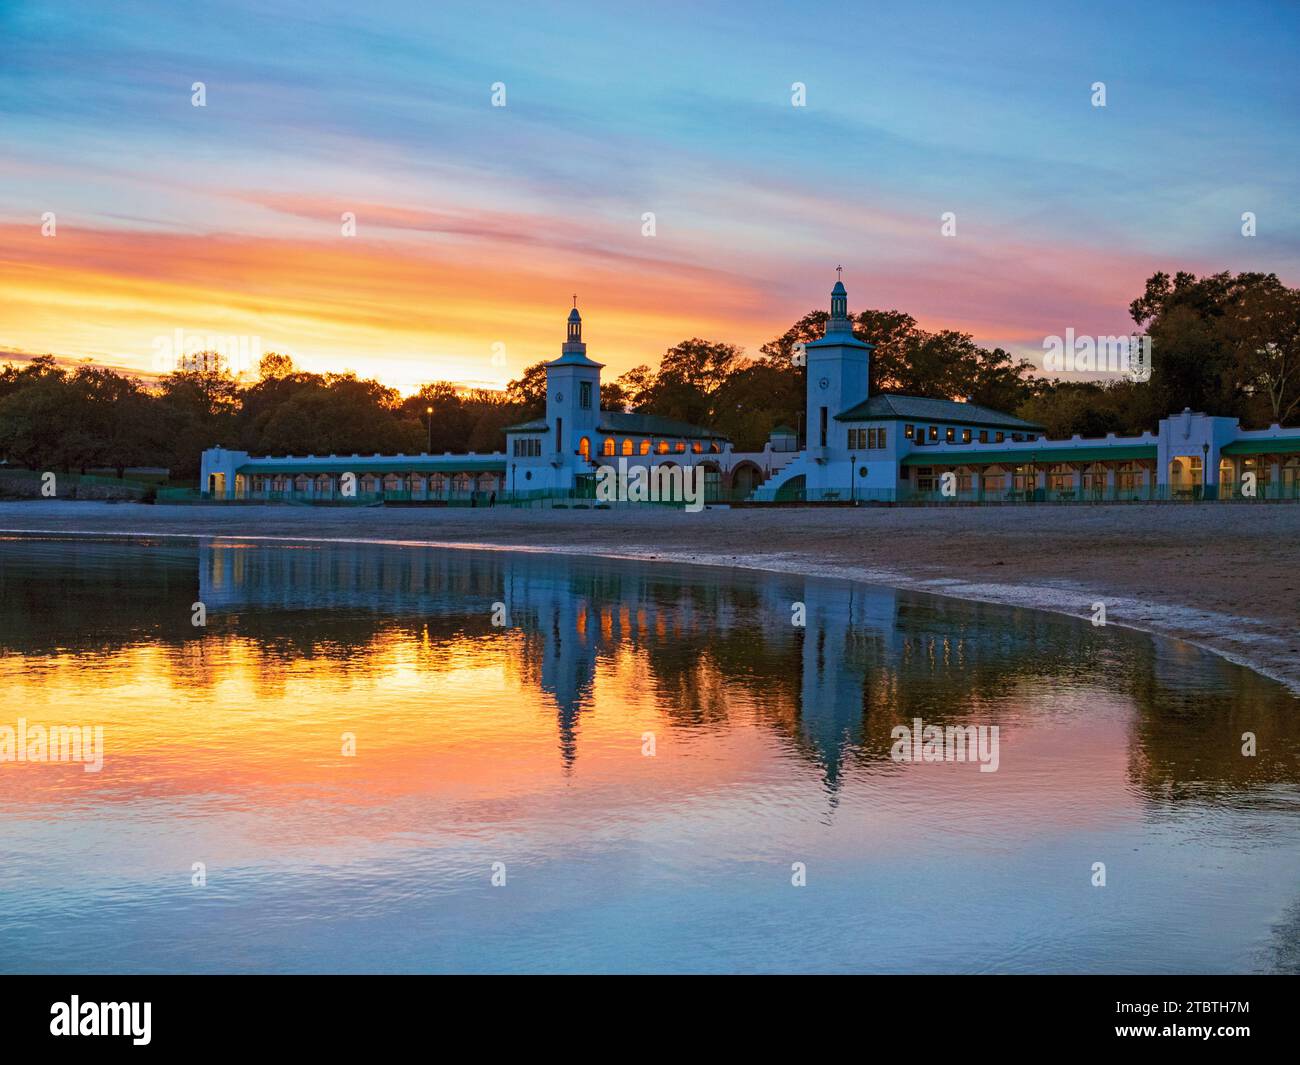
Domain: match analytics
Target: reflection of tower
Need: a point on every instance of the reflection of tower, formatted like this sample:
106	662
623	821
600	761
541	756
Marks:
544	590
844	623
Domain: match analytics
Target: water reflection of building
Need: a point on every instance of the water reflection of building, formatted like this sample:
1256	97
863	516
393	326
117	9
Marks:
721	646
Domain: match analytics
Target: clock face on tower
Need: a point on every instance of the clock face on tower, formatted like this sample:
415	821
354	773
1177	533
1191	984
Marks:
559	397
823	384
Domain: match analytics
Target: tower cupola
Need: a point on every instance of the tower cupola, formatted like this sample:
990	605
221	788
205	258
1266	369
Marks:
573	338
839	322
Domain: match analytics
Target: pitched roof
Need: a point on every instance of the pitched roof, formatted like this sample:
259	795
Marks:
1272	445
376	464
839	340
885	406
537	425
575	358
615	421
612	421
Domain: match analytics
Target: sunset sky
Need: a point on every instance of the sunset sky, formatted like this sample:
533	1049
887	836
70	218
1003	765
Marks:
475	223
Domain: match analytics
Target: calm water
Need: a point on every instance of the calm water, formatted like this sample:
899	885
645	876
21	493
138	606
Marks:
523	745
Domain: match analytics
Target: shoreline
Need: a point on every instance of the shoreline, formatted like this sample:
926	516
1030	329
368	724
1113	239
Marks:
1263	640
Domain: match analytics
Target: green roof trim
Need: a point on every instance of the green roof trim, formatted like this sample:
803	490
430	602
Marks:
1040	455
382	464
887	407
1277	445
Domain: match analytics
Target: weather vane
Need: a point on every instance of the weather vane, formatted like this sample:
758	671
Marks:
575	301
839	274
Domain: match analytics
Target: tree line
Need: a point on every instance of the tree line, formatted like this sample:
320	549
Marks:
1222	343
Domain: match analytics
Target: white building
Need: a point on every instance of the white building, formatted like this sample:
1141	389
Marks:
885	448
897	448
561	451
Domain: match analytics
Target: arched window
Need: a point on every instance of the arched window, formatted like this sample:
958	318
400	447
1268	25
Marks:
663	447
627	447
609	446
680	446
645	447
697	447
584	448
714	449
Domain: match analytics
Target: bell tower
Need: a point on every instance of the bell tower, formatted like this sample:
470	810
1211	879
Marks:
838	368
572	398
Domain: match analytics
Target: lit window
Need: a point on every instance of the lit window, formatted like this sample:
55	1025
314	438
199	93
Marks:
999	438
608	448
628	447
645	447
984	436
965	436
934	433
663	447
681	445
908	430
950	434
584	448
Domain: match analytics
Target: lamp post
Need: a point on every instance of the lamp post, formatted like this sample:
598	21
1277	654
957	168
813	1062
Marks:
1205	469
429	418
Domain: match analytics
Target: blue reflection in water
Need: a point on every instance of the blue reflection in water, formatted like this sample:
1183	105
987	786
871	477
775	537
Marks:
647	755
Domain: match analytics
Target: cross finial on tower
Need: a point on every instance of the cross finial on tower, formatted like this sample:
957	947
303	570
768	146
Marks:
839	273
575	301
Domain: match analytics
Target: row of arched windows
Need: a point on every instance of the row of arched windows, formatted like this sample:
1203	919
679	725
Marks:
328	484
611	446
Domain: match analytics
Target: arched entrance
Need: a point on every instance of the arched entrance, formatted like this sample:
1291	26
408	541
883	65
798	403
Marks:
745	477
793	491
1185	477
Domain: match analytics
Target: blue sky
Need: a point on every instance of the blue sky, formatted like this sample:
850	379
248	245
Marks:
475	223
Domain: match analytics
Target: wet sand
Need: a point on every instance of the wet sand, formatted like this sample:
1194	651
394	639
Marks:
1223	576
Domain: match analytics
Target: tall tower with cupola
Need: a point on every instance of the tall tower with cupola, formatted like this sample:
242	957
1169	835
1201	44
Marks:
838	368
572	400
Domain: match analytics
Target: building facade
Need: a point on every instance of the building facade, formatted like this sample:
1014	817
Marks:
893	448
859	447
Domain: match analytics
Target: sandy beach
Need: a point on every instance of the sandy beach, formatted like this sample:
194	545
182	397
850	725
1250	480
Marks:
1225	577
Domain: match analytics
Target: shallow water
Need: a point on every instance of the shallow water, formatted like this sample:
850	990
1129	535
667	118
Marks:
525	744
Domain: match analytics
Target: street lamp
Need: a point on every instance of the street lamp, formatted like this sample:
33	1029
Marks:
429	412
